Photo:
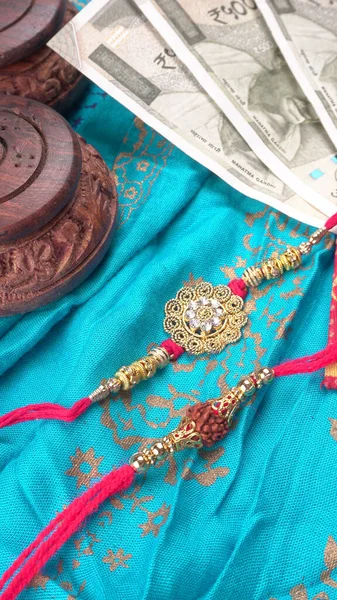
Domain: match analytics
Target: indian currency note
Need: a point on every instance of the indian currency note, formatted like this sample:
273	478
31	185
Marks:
115	46
229	50
306	33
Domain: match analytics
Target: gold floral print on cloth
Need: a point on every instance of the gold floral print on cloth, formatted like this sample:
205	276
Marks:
82	460
150	152
301	592
205	318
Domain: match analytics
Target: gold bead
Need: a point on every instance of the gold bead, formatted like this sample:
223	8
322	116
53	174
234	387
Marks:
265	375
149	365
247	385
272	268
305	247
123	378
159	451
113	384
291	258
139	463
316	237
252	276
139	371
160	355
131	374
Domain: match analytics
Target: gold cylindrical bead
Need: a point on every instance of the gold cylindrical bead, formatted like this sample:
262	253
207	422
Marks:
161	356
129	376
252	276
274	267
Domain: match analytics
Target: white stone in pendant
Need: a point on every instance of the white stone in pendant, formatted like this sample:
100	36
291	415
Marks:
190	314
206	326
195	323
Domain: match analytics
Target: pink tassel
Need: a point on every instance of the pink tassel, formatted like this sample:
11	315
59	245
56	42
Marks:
308	364
331	222
45	411
60	529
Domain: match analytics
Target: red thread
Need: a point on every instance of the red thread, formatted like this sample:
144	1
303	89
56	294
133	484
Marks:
308	364
238	287
172	348
60	529
45	411
331	222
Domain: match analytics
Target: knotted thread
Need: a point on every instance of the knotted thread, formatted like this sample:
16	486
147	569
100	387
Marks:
238	287
60	529
172	348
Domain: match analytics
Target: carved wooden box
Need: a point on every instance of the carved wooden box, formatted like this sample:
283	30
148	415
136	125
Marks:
58	205
28	67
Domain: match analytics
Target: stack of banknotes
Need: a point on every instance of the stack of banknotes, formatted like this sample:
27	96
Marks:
246	87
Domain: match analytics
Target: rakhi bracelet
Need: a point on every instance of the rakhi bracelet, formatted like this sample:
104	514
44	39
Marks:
204	424
200	319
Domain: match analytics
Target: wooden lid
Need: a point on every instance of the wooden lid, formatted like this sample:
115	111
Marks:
40	166
26	25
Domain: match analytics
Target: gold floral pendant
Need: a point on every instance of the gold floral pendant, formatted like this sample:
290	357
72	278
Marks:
205	318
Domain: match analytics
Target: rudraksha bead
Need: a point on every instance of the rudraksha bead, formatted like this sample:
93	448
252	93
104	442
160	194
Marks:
211	427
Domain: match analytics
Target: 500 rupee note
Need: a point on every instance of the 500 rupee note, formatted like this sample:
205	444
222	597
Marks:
306	33
114	45
229	50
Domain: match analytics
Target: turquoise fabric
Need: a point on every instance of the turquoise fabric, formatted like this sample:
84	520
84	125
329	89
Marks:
252	519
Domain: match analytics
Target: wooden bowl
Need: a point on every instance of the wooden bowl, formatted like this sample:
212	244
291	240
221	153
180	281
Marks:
58	206
28	68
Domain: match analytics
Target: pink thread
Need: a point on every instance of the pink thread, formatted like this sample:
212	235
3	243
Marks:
308	364
60	529
331	222
238	287
45	411
172	348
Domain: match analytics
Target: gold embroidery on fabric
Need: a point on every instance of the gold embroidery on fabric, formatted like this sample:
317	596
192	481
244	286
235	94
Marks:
39	581
333	428
116	559
150	526
299	592
330	560
208	477
297	291
152	159
79	461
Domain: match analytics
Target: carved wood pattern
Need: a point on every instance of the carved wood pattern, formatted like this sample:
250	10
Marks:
58	205
45	266
44	76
